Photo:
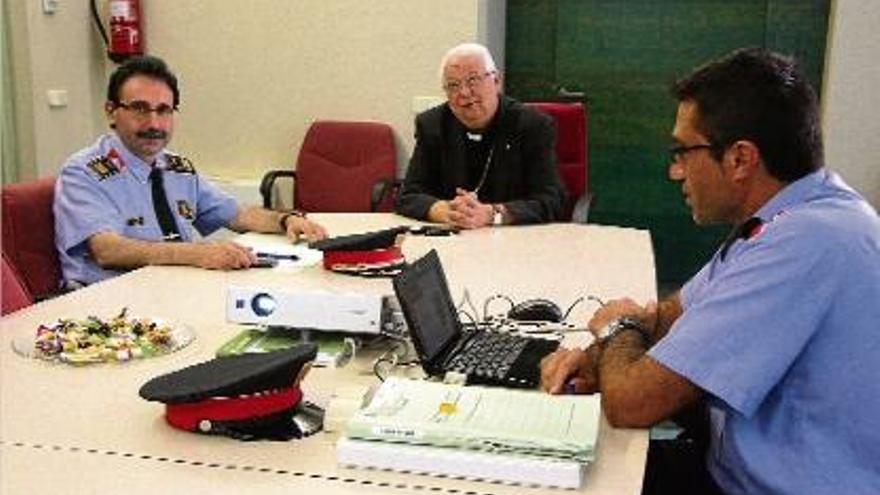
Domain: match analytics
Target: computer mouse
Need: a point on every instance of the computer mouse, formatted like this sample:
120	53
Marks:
536	310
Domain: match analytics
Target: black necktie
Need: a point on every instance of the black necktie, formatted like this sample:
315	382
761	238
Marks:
163	211
741	231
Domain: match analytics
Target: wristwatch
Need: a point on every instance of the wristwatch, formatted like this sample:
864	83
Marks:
614	327
497	214
282	220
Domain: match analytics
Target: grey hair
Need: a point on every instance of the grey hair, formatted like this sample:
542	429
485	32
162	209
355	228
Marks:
466	49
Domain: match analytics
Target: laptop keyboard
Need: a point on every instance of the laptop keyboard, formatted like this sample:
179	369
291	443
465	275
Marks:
488	354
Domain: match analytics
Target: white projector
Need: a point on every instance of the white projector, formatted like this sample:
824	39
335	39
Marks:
307	310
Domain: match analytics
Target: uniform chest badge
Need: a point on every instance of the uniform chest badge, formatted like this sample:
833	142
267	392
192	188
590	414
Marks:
185	210
103	167
179	164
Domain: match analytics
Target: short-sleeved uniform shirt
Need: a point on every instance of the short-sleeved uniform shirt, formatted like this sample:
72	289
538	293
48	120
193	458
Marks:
106	188
783	333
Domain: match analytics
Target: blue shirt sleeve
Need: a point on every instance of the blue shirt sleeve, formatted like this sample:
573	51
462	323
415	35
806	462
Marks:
215	208
82	209
694	285
747	322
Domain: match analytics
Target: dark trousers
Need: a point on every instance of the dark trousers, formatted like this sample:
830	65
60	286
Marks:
678	466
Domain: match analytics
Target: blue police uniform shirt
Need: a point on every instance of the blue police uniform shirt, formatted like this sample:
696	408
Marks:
106	188
782	334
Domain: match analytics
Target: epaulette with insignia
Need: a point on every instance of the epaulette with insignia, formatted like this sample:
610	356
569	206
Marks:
179	164
103	167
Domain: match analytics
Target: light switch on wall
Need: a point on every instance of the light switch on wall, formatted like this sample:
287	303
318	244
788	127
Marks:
57	98
50	6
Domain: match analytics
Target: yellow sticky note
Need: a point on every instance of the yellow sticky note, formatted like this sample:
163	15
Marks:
448	408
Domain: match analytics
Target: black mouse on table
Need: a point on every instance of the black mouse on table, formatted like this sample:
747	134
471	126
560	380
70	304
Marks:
536	310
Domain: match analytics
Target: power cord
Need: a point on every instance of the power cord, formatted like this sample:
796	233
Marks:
578	301
492	298
392	357
497	323
466	299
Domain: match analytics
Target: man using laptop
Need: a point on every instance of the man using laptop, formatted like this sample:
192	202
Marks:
481	158
126	201
777	334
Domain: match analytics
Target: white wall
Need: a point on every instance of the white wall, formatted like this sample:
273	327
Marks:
851	99
253	74
53	52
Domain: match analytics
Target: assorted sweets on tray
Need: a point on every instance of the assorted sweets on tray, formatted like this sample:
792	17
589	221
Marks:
94	340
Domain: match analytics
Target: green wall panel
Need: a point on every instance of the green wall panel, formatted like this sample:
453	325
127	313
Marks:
624	54
534	47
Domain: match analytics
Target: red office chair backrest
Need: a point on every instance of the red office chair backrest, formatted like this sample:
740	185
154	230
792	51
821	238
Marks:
15	296
338	164
29	234
571	147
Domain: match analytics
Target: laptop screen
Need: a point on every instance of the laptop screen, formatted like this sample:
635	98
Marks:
427	306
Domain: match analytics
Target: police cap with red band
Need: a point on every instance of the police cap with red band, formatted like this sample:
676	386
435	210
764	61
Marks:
246	396
370	253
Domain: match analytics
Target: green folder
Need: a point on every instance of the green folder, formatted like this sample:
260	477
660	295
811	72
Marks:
334	349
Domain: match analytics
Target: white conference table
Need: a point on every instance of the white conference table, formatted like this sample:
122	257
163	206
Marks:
74	430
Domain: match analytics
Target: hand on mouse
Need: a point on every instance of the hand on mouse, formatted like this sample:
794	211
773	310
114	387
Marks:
619	308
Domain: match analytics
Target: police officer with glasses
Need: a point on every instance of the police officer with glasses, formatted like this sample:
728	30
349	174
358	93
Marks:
127	201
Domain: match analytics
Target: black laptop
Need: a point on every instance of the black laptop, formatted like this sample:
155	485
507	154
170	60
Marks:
484	357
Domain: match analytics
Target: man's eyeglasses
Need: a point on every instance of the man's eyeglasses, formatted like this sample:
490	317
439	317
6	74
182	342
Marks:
143	109
453	86
677	152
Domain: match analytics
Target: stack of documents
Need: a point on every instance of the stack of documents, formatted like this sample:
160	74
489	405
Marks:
481	432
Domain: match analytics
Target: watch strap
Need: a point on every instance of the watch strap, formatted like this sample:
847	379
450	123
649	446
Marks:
282	220
615	327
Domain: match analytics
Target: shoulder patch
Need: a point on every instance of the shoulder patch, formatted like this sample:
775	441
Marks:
103	167
179	164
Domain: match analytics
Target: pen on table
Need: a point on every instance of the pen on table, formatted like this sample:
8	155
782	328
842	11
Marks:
274	256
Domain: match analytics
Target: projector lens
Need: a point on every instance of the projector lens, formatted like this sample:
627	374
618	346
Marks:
263	304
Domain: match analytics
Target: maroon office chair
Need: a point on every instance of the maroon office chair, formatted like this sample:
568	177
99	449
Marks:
15	296
341	167
571	153
29	235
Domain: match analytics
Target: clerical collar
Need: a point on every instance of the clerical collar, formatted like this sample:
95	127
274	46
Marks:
485	134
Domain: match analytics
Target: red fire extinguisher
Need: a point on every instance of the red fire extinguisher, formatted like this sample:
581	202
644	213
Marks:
126	29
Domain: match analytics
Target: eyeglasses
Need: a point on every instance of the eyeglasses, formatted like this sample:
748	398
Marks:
677	152
453	86
142	109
